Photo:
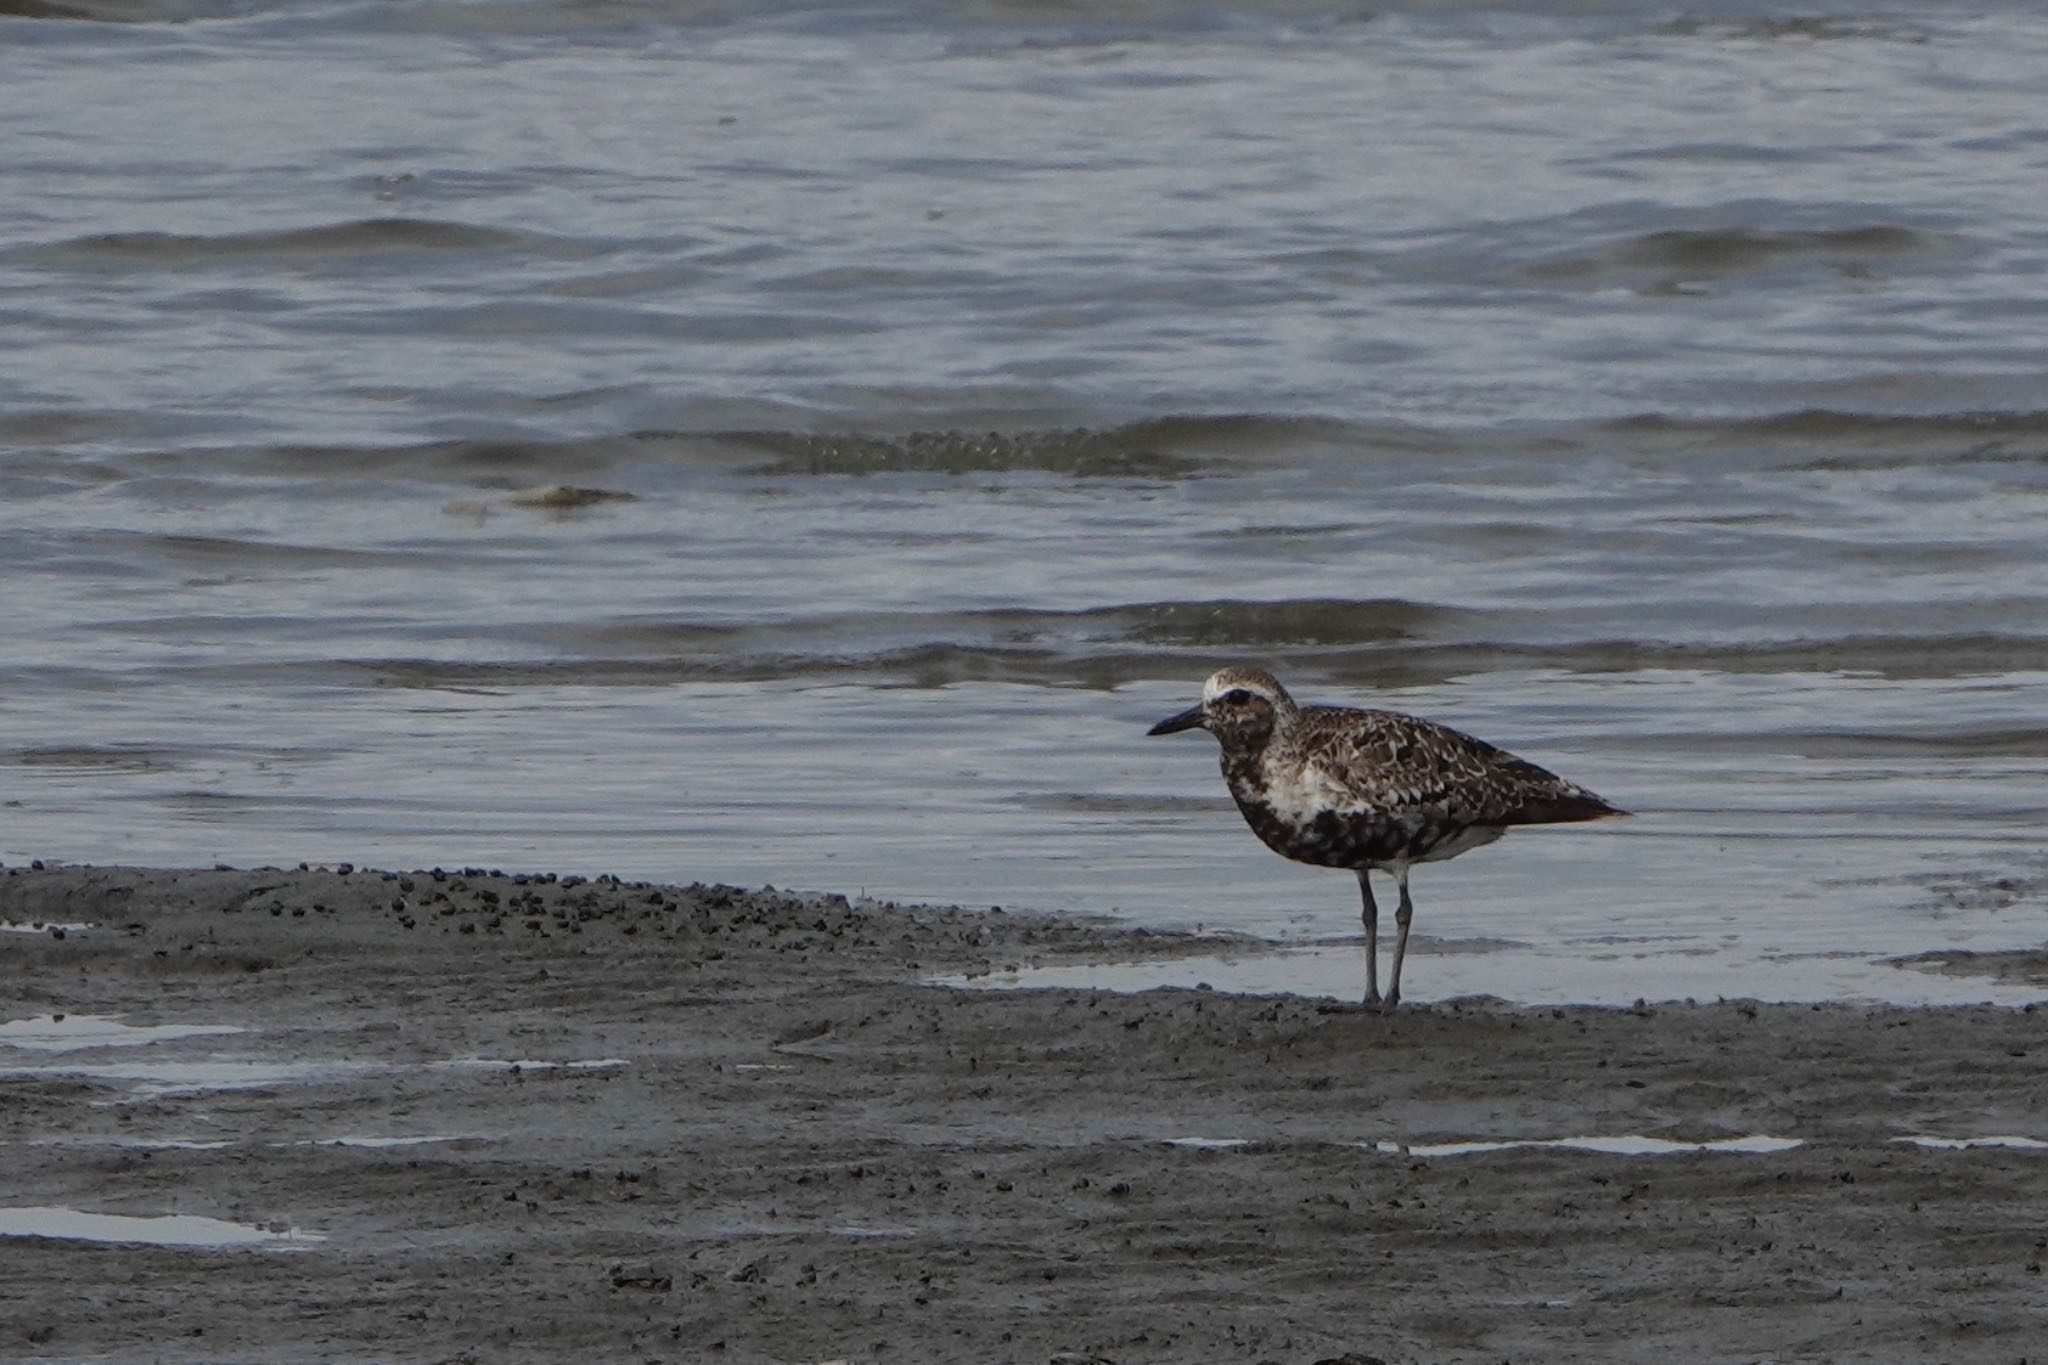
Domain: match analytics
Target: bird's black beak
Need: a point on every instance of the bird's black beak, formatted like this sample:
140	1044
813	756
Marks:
1186	720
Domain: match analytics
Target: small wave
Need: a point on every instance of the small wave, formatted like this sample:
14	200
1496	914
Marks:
1803	28
87	758
1711	253
1850	439
1170	447
929	665
1884	655
1061	652
508	464
124	11
1167	449
1204	625
224	558
37	9
347	240
1100	647
1261	625
2028	965
1082	453
1972	742
58	426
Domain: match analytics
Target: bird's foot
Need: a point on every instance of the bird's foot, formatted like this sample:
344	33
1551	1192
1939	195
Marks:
1372	998
1392	1000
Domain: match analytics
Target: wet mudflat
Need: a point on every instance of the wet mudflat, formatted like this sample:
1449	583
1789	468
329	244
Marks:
477	1117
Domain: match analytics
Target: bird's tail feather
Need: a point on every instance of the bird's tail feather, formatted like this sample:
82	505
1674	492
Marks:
1570	809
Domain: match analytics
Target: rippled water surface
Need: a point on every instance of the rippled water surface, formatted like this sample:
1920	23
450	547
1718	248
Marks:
810	444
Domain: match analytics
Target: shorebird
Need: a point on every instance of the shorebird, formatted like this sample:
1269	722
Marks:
1337	786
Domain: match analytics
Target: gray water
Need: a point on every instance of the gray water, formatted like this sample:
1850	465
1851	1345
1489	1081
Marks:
1656	390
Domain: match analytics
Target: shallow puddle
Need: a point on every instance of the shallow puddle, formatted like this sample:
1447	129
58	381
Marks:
527	1064
76	1032
1523	974
1622	1145
1629	1144
168	1230
137	1144
147	1080
382	1142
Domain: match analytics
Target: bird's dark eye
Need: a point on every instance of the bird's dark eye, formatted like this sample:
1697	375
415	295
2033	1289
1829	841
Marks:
1236	696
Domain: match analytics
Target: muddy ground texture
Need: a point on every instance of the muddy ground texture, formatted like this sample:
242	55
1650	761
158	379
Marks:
797	1152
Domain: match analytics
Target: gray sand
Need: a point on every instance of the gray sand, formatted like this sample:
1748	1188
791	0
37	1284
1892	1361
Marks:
807	1155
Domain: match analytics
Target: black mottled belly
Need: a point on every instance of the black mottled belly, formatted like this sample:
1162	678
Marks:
1354	840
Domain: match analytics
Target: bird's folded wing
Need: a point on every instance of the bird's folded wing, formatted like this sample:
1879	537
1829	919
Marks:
1403	765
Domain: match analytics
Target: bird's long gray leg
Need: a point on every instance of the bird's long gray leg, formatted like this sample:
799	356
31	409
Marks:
1371	915
1402	914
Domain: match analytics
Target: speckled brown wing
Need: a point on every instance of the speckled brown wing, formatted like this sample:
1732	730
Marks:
1403	765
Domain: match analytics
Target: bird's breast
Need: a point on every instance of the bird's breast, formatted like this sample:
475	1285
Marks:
1300	814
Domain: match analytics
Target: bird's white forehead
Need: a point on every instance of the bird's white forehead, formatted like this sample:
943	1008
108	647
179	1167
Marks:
1228	679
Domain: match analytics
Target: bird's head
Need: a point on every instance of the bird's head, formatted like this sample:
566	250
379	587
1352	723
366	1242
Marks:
1242	707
